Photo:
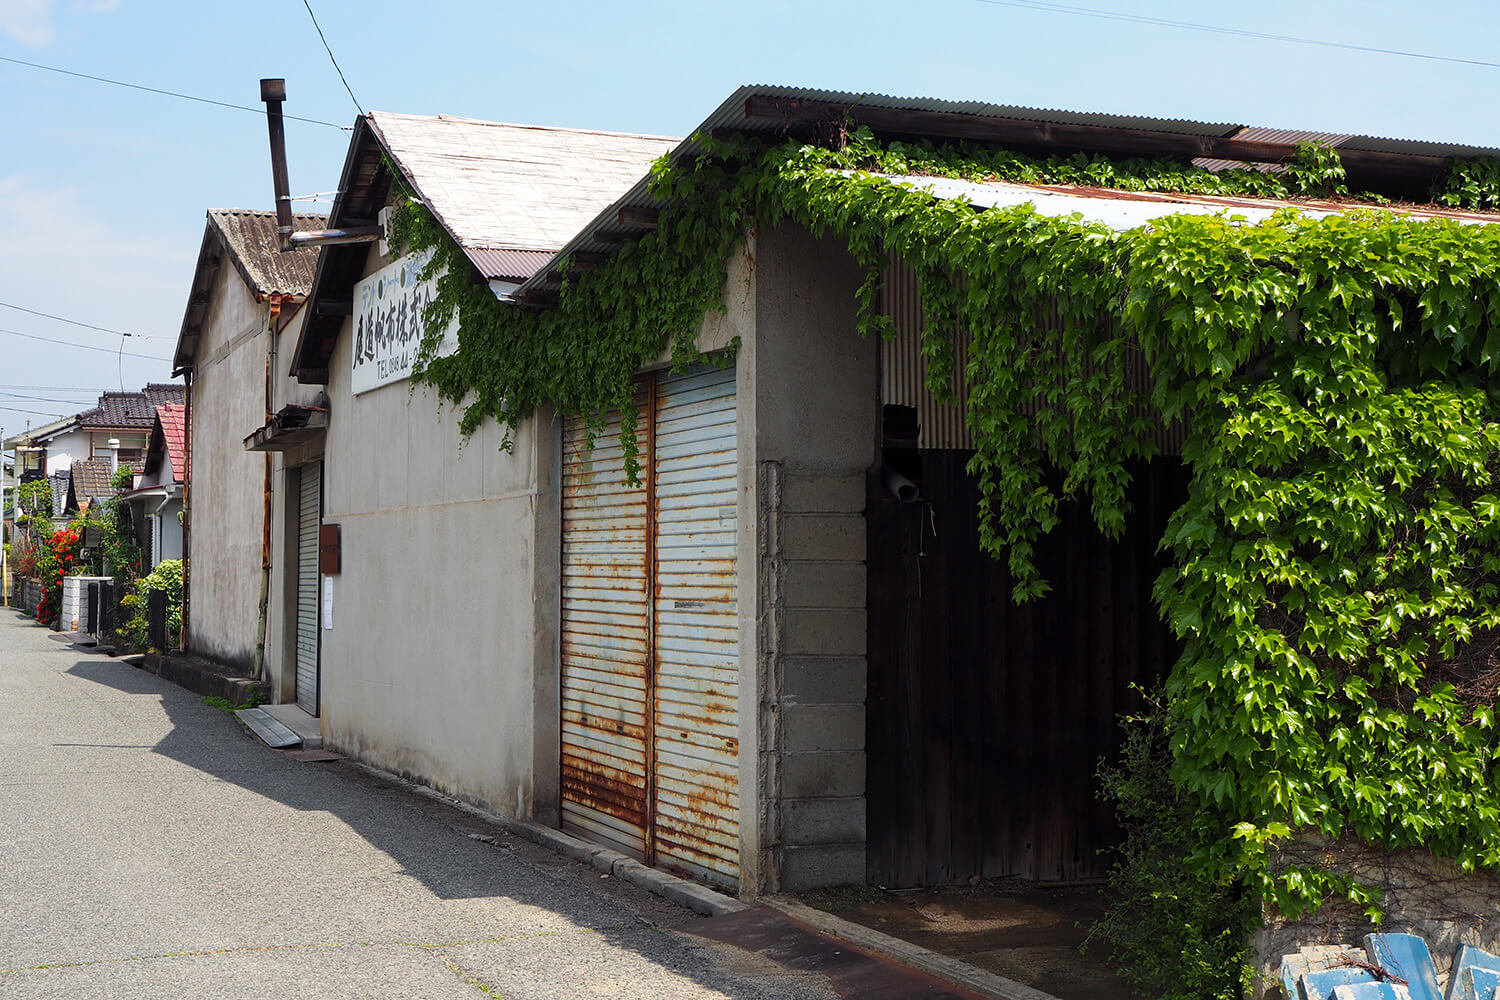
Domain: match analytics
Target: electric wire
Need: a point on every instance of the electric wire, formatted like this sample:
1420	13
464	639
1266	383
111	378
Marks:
84	347
39	399
164	93
75	322
35	413
358	107
1166	22
87	390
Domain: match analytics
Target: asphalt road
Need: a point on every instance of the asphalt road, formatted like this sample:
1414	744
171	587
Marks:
151	847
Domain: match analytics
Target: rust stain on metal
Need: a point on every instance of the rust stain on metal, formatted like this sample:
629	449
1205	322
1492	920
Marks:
650	610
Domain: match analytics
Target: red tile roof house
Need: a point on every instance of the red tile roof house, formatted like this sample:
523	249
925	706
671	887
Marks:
156	501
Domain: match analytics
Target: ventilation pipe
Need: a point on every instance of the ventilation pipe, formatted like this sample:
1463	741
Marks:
273	93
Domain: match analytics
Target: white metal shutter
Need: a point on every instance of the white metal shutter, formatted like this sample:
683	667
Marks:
605	640
309	513
697	627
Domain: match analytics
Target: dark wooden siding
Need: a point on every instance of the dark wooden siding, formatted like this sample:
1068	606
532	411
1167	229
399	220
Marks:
986	721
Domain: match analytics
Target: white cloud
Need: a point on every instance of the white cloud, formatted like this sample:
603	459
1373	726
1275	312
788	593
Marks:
58	255
28	21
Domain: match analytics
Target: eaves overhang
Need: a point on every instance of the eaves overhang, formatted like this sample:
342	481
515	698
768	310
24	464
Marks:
1398	167
288	428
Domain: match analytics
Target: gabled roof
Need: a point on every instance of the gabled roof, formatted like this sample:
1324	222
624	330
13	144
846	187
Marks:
247	239
512	187
255	250
509	195
169	441
89	479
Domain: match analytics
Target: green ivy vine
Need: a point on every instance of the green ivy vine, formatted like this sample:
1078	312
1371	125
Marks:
1336	568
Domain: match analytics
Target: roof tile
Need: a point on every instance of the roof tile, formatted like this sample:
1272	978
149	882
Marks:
251	236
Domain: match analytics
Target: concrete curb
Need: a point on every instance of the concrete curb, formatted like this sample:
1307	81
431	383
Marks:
202	677
680	891
956	972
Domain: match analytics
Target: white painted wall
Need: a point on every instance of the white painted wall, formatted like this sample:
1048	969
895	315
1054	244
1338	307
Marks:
226	496
443	647
64	449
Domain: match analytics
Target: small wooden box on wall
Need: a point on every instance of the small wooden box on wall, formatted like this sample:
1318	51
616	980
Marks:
329	553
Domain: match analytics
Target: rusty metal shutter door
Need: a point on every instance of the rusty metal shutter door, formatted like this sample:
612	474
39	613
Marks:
696	627
309	513
605	640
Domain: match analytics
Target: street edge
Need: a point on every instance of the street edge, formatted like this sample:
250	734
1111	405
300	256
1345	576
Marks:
955	971
680	891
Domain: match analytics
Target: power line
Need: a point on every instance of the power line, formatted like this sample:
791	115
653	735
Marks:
358	107
38	413
74	322
83	347
164	93
40	399
1111	15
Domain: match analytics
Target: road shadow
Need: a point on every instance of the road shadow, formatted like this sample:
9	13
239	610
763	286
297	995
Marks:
450	852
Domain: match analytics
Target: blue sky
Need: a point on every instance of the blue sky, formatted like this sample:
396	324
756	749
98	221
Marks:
103	189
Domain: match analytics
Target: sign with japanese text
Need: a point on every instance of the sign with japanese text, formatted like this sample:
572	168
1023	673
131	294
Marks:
388	325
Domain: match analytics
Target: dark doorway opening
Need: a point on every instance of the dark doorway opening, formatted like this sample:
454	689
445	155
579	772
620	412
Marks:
986	720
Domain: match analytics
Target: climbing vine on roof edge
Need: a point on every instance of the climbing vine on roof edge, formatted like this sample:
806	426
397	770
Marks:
1336	568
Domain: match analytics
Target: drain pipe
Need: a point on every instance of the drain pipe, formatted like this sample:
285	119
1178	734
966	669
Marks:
273	93
259	667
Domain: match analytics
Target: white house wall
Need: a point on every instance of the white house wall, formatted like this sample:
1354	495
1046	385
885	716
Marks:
65	449
442	651
226	498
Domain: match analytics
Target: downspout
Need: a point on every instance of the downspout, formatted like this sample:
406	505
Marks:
187	508
258	671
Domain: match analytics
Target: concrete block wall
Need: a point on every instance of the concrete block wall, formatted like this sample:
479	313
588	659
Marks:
822	681
815	399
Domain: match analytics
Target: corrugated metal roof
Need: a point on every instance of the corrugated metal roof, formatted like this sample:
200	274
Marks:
513	265
731	113
251	237
731	116
1281	136
497	186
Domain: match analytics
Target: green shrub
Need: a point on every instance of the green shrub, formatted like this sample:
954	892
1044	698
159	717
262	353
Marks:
1174	934
136	631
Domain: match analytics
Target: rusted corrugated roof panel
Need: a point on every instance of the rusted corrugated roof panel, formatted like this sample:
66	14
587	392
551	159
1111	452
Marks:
251	237
1123	210
516	187
512	265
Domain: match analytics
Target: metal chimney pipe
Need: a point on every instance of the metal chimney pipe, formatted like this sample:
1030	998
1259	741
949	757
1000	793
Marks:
273	93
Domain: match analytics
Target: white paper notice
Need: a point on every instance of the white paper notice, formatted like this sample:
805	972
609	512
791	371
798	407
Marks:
328	602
